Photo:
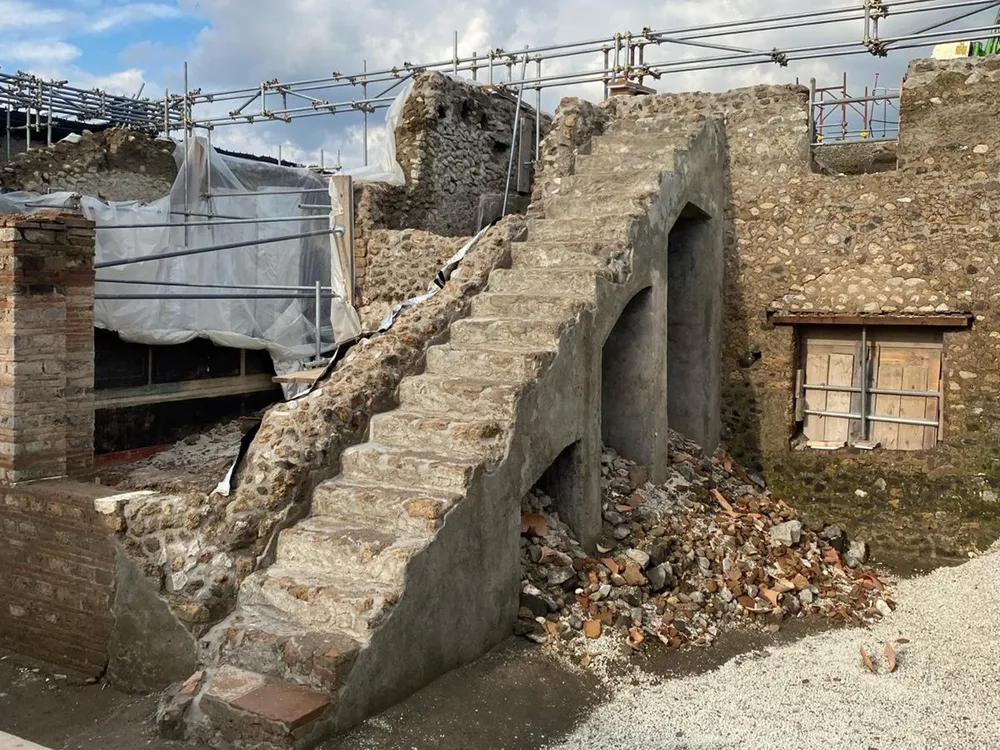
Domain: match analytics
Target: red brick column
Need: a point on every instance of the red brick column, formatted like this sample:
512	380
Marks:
46	346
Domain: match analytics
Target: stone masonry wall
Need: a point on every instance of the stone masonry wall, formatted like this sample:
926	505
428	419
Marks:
453	144
922	239
114	165
401	264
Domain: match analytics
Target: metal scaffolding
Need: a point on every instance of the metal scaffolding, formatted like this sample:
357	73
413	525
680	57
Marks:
34	106
622	59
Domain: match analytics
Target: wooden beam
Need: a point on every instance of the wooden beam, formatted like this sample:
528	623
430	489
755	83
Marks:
302	376
160	393
945	320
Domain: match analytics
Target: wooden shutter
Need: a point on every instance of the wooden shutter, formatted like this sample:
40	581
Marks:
909	365
831	359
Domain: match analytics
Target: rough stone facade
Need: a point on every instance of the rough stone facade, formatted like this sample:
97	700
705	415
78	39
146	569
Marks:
401	264
114	165
920	240
47	284
454	145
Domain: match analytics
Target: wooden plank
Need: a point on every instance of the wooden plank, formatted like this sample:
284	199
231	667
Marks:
911	436
887	376
302	376
343	245
161	393
950	320
817	368
841	373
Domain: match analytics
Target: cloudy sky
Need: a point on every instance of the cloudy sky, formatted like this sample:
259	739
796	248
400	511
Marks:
122	46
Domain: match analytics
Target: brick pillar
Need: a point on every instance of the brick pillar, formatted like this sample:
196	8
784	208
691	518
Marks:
46	346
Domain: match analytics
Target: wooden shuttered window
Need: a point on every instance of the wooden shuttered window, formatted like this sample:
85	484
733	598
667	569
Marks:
899	372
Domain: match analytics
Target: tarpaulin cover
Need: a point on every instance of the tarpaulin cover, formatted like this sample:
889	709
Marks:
213	184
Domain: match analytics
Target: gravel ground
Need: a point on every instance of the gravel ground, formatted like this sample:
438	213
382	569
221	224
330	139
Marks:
815	693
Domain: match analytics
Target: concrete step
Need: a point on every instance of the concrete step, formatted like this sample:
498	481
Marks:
483	364
527	306
412	512
406	467
611	229
448	434
249	709
339	600
578	208
507	333
259	639
626	162
440	394
643	143
609	189
589	255
330	545
555	282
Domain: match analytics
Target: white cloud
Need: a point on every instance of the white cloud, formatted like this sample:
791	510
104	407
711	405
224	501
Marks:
20	14
123	15
40	53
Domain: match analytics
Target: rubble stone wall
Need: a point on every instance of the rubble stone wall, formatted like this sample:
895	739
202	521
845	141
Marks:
454	145
114	165
922	239
401	264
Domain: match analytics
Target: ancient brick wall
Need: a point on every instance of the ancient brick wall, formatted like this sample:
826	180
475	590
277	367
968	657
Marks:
56	575
454	145
920	240
46	346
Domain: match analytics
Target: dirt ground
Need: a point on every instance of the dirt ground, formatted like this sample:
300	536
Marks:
516	697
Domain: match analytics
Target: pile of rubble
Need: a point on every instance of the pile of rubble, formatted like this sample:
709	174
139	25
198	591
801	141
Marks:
677	563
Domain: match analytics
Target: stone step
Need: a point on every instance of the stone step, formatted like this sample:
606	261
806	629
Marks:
484	364
440	394
555	282
446	434
635	144
626	162
412	512
590	255
602	229
260	640
610	189
582	207
507	333
533	306
339	600
403	467
331	545
249	709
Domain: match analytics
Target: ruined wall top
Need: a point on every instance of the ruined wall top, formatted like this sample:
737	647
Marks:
949	112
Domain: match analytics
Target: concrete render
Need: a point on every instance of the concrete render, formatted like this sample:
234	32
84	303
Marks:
461	592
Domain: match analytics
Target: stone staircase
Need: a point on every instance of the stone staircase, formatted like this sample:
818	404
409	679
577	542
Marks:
408	563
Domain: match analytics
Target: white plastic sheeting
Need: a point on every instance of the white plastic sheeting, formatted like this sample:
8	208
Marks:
226	187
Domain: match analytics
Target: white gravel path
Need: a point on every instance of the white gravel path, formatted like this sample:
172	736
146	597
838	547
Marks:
815	693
